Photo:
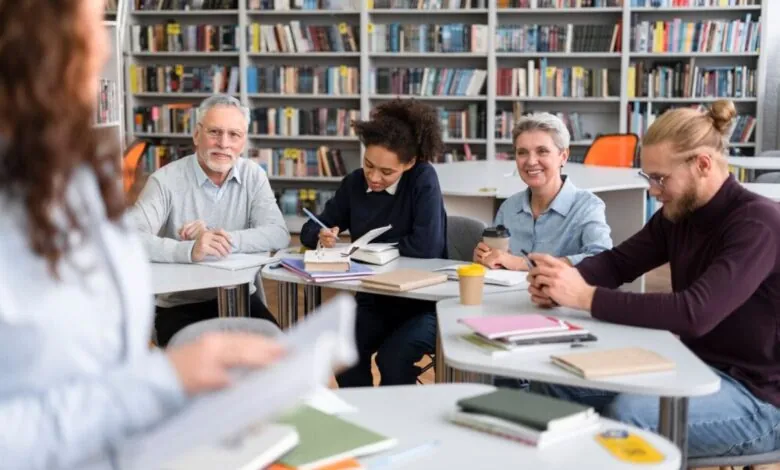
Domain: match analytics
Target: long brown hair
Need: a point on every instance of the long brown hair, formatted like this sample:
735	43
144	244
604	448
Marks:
45	122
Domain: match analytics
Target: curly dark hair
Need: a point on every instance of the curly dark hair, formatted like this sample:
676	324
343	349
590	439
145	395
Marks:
45	121
408	128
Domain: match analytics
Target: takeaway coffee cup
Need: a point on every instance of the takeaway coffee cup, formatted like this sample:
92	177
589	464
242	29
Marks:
471	278
497	238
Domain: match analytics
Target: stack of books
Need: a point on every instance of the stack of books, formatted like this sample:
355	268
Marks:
497	334
352	272
525	417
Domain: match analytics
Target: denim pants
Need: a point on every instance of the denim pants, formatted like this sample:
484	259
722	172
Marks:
729	422
399	330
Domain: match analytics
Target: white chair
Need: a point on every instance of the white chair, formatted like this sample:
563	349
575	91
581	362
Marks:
194	331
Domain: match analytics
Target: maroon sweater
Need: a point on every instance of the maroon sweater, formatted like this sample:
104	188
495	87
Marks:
725	304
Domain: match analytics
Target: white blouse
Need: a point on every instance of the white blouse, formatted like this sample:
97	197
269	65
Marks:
77	375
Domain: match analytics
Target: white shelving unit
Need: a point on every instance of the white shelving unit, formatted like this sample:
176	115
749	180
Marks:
112	74
600	114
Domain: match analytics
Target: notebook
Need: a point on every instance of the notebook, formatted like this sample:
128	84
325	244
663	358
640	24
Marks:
518	432
297	266
258	448
402	280
364	241
611	362
499	277
535	411
499	326
325	439
238	261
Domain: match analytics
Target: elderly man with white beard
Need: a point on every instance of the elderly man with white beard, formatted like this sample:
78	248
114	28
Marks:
208	204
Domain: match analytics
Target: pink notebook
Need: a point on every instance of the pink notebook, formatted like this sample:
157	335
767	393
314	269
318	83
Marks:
498	326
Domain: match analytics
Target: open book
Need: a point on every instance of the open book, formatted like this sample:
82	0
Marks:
337	259
499	277
316	347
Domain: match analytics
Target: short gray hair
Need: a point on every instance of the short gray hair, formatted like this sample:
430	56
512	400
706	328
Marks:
221	100
546	122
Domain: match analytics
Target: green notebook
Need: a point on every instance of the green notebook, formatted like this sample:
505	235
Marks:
324	439
539	412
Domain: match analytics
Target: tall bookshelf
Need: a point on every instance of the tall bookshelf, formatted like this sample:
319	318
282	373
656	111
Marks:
109	116
502	39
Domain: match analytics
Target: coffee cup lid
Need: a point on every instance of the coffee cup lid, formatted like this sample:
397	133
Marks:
498	231
471	270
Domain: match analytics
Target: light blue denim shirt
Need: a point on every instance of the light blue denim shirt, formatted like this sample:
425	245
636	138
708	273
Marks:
574	226
77	376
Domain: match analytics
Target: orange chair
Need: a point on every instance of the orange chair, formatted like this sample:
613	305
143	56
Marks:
130	163
613	150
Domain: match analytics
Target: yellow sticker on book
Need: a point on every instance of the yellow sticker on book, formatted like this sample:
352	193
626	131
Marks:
174	28
288	112
343	28
343	70
370	4
370	27
291	154
629	447
179	70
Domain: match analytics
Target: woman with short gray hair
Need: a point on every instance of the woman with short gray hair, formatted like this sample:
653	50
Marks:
552	216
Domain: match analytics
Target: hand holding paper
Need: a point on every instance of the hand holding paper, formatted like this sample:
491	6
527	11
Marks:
314	348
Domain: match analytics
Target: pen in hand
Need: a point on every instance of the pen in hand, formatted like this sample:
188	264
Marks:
314	218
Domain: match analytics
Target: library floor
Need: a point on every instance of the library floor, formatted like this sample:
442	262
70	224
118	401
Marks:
656	281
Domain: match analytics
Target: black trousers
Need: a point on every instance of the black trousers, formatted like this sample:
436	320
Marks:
168	321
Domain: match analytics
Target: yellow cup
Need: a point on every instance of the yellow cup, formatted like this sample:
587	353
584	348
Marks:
471	279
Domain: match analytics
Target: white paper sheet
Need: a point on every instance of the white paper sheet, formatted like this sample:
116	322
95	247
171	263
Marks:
238	261
317	345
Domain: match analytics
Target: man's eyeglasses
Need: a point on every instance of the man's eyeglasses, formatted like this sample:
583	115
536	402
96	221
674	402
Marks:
658	180
216	133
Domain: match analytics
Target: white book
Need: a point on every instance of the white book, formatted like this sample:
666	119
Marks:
238	261
499	277
258	448
316	347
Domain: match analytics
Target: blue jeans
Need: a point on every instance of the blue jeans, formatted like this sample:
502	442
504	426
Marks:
729	422
400	331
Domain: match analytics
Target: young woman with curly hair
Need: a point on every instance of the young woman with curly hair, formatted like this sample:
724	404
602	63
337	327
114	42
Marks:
398	186
78	376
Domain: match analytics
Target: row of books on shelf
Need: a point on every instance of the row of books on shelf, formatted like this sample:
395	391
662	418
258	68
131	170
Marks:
543	80
352	5
284	5
303	122
174	37
691	81
559	4
641	117
558	38
293	201
185	4
466	123
505	123
427	81
674	36
427	4
107	110
736	36
440	38
294	37
300	162
320	80
184	79
692	3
